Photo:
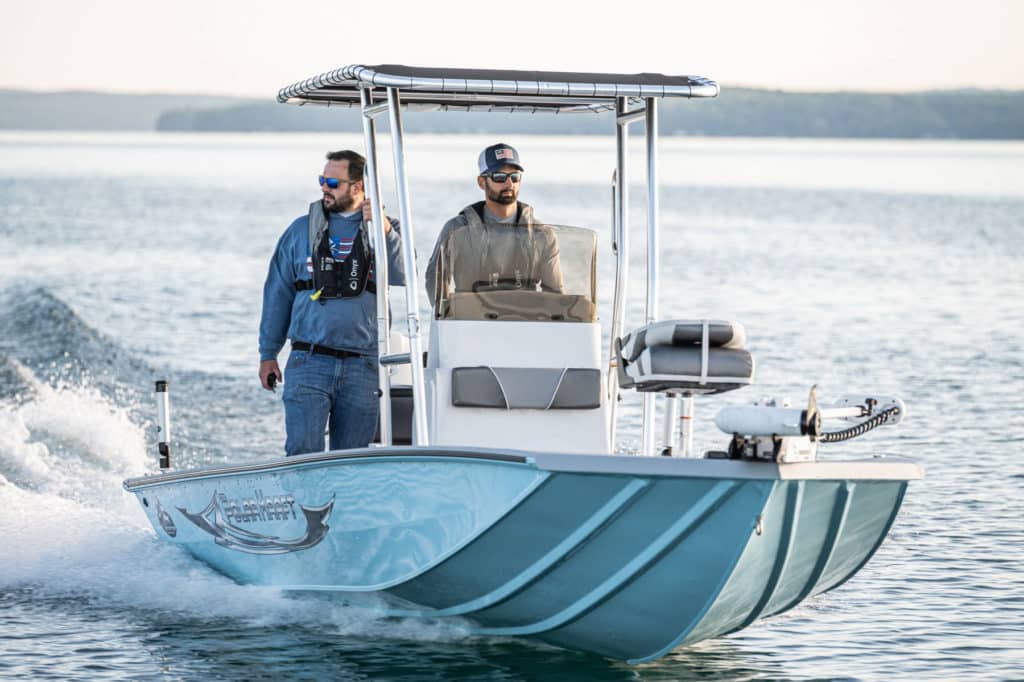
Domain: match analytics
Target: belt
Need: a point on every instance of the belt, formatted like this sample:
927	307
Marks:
324	350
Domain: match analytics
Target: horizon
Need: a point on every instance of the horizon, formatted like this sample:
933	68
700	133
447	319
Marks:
724	88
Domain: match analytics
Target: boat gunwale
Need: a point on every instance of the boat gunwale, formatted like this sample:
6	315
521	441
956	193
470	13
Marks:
869	469
401	452
887	469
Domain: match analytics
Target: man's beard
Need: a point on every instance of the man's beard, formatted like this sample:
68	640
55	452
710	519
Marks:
343	205
502	196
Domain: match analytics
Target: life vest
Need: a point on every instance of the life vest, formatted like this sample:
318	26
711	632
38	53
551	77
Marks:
333	278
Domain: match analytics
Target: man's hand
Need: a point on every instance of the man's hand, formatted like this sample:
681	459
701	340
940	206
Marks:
368	215
269	368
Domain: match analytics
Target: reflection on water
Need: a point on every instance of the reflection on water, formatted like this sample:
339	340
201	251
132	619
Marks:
880	266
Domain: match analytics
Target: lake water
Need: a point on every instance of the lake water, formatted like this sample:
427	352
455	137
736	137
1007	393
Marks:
893	267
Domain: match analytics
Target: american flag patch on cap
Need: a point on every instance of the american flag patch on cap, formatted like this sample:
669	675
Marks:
505	153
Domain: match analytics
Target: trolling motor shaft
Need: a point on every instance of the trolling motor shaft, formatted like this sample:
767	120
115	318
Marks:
163	427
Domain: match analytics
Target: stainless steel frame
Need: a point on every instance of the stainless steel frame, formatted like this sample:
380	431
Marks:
380	261
475	102
420	435
623	118
620	228
653	260
574	94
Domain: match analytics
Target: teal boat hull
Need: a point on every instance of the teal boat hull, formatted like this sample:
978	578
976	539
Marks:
626	557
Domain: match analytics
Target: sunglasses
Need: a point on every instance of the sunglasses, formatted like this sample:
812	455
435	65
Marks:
500	178
333	183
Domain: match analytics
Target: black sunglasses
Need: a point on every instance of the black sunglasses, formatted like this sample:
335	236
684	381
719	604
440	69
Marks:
500	178
333	183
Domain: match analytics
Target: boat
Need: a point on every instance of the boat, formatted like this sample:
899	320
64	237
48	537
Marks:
494	492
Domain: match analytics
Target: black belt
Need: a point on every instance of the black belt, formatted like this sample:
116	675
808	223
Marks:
324	350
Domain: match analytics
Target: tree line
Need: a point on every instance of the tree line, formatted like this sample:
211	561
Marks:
737	112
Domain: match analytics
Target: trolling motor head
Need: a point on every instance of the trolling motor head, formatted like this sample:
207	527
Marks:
772	430
810	422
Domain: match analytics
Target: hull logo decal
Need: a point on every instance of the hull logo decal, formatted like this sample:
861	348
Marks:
166	522
217	522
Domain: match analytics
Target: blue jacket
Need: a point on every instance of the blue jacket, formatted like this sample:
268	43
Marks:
343	323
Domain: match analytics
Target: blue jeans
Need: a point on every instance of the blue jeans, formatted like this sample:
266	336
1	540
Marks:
323	391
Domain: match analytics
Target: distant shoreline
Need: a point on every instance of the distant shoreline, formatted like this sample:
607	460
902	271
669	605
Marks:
739	112
170	134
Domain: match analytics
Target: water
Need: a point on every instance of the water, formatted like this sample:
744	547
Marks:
886	266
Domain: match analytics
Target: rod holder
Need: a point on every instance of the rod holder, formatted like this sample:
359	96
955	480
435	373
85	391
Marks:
163	427
669	434
396	359
686	427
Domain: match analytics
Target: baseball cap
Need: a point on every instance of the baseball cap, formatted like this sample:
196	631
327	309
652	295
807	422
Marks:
496	156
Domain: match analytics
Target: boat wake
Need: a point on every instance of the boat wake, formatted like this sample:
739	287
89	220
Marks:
74	423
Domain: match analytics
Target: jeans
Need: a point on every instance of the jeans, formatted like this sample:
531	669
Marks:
323	391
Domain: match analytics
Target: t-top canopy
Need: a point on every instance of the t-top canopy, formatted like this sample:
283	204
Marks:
491	89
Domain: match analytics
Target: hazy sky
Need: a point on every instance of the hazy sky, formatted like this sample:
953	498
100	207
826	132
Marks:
254	47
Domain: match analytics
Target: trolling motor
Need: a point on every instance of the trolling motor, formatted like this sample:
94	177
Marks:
773	430
163	427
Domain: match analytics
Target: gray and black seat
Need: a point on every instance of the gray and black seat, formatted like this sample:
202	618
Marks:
686	357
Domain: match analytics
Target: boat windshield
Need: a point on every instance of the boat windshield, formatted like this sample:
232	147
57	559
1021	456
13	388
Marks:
497	271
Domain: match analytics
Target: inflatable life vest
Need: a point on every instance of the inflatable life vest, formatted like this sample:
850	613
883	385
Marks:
333	278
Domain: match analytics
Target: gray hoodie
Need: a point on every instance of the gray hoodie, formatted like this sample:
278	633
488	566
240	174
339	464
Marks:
473	253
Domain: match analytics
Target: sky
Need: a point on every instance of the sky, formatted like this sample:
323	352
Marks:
255	47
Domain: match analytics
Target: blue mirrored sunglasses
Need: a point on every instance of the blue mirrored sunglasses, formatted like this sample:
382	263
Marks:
333	183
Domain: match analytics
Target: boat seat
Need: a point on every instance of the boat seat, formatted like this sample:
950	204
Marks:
685	356
536	388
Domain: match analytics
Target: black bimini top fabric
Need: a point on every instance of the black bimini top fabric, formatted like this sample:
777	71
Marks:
654	79
491	89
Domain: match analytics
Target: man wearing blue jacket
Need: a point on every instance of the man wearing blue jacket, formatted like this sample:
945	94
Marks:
320	293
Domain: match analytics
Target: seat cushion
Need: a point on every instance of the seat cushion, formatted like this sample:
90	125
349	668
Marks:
674	369
720	334
685	356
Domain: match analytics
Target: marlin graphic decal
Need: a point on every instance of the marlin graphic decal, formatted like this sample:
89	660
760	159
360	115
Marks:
226	534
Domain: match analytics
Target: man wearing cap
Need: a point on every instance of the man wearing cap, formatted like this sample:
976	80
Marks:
495	243
320	293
